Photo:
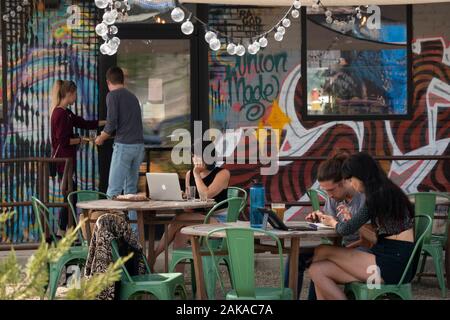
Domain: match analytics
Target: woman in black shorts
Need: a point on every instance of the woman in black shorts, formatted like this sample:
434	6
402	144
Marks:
391	214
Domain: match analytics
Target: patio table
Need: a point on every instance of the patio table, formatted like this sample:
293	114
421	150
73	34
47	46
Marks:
197	231
149	213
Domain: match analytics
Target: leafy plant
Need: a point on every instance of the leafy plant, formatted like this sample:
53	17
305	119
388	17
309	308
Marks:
18	283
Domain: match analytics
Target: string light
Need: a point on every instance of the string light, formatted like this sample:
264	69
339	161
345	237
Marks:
114	10
117	9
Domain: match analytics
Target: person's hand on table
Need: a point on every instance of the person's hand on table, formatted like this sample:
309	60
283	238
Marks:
313	216
327	220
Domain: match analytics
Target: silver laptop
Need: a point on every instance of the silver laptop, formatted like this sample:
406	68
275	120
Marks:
164	186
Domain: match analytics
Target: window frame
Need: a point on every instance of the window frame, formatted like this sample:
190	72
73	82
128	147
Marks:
334	117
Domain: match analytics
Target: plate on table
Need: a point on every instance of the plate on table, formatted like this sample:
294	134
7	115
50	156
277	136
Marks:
131	198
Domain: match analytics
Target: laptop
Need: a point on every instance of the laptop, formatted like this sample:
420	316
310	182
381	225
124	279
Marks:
164	186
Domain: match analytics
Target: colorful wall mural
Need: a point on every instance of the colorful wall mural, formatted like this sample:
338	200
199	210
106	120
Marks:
43	45
246	91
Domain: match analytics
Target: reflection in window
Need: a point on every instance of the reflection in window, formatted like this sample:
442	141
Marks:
358	70
158	72
152	11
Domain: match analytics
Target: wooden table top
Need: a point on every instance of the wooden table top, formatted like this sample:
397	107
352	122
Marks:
203	229
149	205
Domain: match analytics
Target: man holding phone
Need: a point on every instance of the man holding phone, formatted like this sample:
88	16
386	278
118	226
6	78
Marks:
343	202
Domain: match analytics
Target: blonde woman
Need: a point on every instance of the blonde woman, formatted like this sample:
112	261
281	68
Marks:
63	121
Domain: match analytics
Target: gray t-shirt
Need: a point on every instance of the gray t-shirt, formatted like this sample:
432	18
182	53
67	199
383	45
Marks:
124	117
355	205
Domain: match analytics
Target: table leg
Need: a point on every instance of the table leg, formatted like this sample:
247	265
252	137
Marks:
140	225
293	266
151	244
166	248
87	214
198	267
447	257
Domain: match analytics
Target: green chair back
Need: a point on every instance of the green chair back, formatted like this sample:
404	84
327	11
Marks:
425	204
116	255
238	192
83	195
313	195
422	228
240	243
42	212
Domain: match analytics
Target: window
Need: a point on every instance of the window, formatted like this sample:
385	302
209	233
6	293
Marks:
359	70
158	72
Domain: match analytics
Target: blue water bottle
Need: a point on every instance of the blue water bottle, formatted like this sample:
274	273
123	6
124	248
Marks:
257	200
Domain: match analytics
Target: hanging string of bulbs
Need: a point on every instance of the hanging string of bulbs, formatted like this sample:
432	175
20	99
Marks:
118	9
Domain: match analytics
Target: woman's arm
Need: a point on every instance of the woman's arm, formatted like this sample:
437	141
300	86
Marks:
345	228
219	183
81	123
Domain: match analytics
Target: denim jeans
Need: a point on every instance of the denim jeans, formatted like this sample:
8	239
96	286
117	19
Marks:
124	171
304	260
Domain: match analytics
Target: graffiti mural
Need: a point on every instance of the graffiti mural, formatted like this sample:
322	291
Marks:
50	44
243	91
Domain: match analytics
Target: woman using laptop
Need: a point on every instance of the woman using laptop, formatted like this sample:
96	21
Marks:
209	180
390	212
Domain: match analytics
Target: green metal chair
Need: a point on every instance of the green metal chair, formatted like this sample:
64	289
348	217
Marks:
433	245
164	286
238	192
83	195
75	255
185	254
241	251
360	290
313	195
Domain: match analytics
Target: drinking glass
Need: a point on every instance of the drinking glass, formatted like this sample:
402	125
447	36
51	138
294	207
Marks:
92	135
279	209
190	193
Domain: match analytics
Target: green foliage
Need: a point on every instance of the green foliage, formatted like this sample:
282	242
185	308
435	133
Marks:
18	283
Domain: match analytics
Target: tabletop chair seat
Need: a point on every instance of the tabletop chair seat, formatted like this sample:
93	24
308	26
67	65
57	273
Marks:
185	254
164	286
76	255
401	290
241	250
433	245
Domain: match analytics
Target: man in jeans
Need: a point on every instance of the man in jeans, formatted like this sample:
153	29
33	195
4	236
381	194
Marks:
343	202
125	120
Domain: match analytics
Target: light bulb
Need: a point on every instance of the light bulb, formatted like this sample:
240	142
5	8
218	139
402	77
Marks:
263	42
281	30
231	49
25	2
240	50
114	43
101	29
209	36
278	36
315	6
297	4
101	4
286	22
114	29
328	13
252	49
214	44
295	14
187	27
104	48
19	9
177	14
109	18
329	20
256	45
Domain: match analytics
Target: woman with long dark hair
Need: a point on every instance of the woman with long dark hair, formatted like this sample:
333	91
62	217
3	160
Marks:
391	214
64	141
208	179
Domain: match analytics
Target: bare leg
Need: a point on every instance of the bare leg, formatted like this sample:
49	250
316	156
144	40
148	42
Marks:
174	227
326	276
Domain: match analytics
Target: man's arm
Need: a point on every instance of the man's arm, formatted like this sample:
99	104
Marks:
111	121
